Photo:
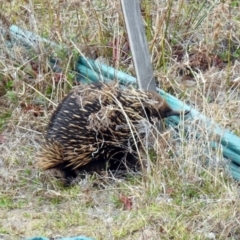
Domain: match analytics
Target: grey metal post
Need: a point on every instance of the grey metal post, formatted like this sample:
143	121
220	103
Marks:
138	44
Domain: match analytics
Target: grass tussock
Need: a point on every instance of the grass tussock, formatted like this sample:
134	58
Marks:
185	192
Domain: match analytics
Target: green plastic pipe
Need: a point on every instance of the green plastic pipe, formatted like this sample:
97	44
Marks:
107	71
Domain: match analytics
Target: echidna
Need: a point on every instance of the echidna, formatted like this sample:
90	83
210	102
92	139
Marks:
98	126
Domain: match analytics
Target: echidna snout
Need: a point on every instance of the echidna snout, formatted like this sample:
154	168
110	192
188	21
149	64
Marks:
162	108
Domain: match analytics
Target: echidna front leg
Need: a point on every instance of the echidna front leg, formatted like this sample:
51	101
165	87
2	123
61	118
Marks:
69	174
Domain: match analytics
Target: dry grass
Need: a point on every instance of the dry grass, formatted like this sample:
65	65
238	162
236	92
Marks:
186	193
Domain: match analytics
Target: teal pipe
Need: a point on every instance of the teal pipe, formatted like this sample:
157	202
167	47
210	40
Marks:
62	238
227	152
89	75
228	139
107	71
234	171
28	38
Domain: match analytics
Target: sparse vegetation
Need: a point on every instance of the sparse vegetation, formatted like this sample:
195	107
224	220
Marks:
186	192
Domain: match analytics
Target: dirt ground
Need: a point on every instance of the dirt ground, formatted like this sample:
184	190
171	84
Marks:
186	192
